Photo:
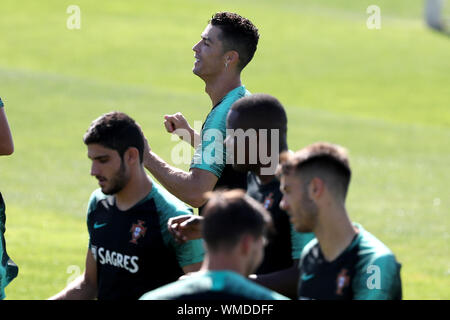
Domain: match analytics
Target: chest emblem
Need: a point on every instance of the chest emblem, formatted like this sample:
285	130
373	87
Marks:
137	231
342	281
268	201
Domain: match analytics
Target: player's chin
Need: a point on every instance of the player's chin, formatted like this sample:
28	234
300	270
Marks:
196	70
103	186
296	224
299	227
106	190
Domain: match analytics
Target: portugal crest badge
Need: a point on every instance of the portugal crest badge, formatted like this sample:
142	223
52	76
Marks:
268	201
342	281
137	230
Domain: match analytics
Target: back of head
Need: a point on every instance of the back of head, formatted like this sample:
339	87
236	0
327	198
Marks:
117	131
262	111
324	160
228	216
239	34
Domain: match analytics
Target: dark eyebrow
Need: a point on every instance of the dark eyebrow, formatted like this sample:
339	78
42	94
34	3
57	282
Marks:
100	157
206	38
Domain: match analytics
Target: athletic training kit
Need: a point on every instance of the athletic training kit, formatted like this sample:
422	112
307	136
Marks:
213	285
366	270
133	249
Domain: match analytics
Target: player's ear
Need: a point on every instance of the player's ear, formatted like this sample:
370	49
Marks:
316	188
245	244
231	57
132	155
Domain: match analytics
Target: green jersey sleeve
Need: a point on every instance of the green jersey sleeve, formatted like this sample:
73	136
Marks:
95	197
169	206
378	280
377	274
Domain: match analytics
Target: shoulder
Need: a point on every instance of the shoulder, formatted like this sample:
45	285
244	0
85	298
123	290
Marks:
218	113
96	196
371	249
226	282
237	284
167	204
235	95
377	271
192	284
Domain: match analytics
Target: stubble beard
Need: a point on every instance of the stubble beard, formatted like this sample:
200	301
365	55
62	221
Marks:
118	181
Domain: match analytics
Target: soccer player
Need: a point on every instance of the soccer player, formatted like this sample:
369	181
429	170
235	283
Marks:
8	269
279	268
234	227
344	261
130	249
227	45
257	114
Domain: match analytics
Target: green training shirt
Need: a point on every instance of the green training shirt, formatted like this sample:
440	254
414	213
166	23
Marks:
366	270
133	249
210	154
213	285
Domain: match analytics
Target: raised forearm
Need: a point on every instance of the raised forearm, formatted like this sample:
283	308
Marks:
178	182
190	136
195	139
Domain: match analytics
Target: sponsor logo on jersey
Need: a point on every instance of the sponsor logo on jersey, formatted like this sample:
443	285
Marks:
342	281
116	259
99	225
137	230
306	277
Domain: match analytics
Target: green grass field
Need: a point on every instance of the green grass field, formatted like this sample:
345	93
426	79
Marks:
384	94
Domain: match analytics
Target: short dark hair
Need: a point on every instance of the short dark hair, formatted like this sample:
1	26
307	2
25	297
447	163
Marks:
263	111
239	34
324	160
228	215
117	131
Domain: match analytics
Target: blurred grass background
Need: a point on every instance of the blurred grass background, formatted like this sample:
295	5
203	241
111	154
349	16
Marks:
384	94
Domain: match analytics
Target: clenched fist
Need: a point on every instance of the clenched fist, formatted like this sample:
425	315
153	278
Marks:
177	124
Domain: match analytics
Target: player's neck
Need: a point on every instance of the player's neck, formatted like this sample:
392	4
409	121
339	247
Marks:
220	261
219	86
136	189
334	232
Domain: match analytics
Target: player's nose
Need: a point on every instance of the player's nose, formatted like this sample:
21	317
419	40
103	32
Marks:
196	46
95	171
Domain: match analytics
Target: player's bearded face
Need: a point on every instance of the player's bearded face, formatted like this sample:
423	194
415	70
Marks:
308	211
109	168
296	201
117	181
